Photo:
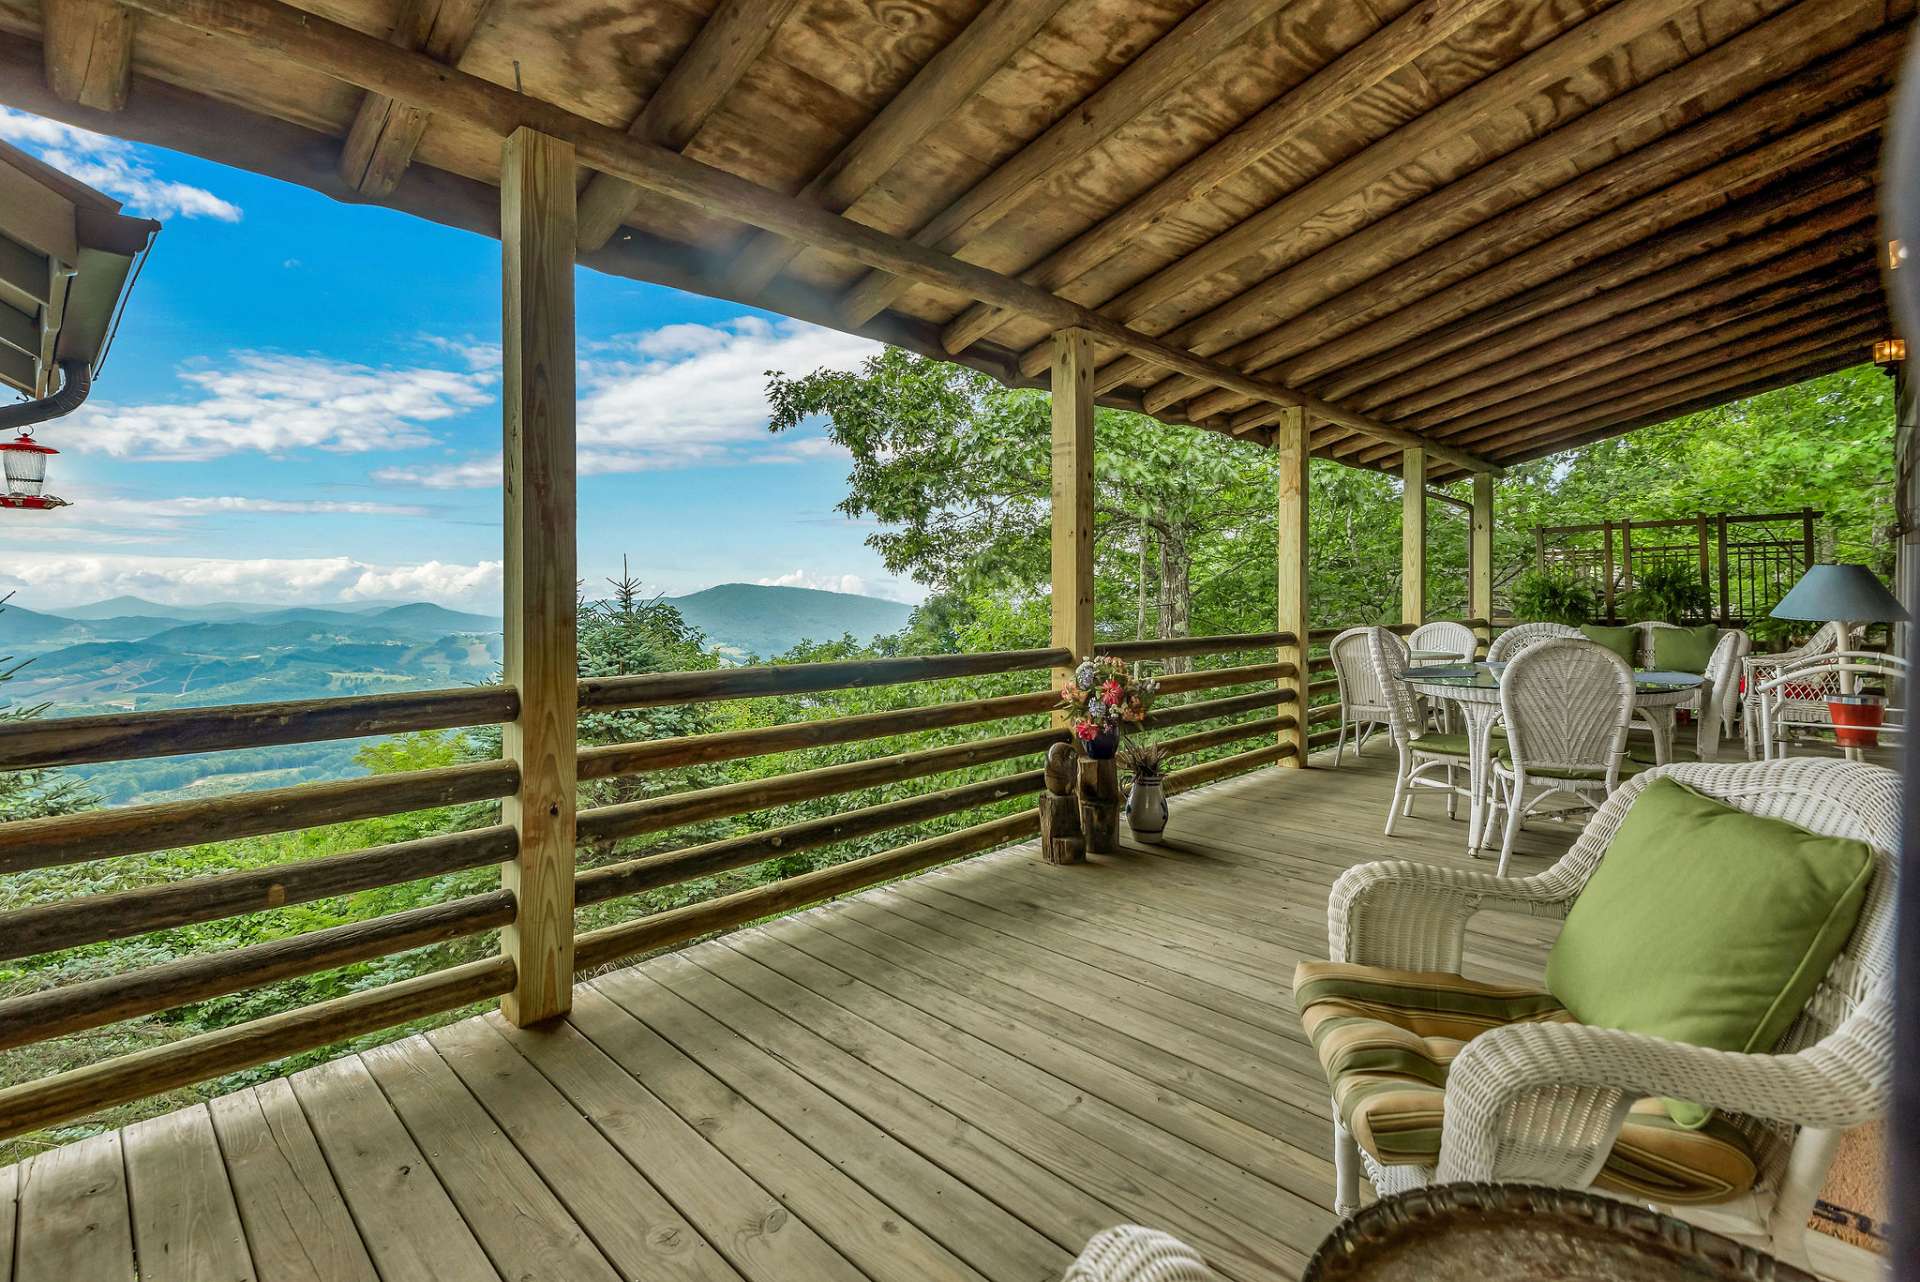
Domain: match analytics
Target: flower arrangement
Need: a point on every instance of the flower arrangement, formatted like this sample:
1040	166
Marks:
1105	698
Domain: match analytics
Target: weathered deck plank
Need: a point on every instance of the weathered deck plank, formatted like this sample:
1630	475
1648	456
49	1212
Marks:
962	1075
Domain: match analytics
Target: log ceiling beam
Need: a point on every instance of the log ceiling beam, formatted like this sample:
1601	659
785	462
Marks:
1319	97
384	134
377	66
1512	85
729	43
88	47
937	90
1165	65
1435	243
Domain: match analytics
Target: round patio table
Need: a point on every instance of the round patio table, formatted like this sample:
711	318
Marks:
1475	687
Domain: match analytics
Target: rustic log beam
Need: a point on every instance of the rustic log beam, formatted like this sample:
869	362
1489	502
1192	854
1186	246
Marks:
1070	506
88	48
1185	714
1511	203
937	90
1165	65
729	42
1413	537
80	1091
1292	542
1191	647
384	134
1480	557
1505	88
1321	95
355	58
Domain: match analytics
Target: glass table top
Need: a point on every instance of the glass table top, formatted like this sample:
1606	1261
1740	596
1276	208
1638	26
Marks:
1486	676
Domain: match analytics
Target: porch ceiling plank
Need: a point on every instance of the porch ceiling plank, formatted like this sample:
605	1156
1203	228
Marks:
940	87
1317	98
728	44
1169	62
384	134
1503	89
1436	242
1797	254
350	56
88	46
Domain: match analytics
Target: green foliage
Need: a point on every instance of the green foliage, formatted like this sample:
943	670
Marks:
1668	592
1545	596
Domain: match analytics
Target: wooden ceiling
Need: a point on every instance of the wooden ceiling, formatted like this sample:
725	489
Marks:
1502	226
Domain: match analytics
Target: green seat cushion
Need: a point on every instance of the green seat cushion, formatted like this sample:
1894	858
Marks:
1386	1039
1640	752
1707	925
1684	649
1445	745
1619	640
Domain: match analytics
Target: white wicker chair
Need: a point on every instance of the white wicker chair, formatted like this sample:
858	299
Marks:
1445	637
1719	697
1363	702
1421	751
1521	635
1542	1102
1833	671
1566	705
1129	1253
1804	705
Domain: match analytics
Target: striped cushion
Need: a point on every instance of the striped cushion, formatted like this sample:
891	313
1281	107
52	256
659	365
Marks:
1387	1037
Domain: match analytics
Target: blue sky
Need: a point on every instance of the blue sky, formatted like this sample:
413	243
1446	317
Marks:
302	405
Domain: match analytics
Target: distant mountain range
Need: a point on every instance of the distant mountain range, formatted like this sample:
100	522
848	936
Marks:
753	619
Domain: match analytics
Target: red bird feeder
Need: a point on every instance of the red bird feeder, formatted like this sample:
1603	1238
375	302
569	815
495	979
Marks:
26	465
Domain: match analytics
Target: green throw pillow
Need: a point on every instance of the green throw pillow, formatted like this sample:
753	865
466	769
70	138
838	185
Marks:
1684	649
1618	640
1705	924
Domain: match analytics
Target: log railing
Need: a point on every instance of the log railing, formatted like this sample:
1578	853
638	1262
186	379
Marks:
1245	696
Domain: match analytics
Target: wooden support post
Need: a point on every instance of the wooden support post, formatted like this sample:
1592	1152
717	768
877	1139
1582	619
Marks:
1726	605
1806	538
1706	561
88	50
1606	567
1413	536
1072	496
1292	463
1480	555
537	242
1626	555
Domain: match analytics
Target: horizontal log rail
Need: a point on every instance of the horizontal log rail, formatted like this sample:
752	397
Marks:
1183	647
1212	678
1201	740
1185	714
663	689
94	919
168	732
71	1008
80	1091
1226	767
651	872
132	830
597	948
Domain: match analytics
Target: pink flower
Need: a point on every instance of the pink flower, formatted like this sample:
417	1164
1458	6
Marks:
1084	729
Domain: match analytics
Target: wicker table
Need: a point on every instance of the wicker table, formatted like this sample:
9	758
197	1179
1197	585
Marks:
1475	687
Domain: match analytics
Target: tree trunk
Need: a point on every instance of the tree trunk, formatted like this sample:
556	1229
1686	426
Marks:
1176	589
1140	576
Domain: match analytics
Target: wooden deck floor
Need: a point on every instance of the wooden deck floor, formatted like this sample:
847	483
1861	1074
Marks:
963	1075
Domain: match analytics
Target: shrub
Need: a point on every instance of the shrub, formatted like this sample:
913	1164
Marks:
1545	596
1669	592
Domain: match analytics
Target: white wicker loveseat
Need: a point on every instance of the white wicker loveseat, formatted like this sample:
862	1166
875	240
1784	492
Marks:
1543	1102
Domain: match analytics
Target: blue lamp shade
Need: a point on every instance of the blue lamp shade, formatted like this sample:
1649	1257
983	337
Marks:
1848	593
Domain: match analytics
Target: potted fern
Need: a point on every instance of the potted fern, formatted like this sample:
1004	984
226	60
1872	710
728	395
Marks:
1547	596
1145	764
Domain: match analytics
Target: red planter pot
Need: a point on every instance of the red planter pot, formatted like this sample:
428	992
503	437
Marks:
1856	721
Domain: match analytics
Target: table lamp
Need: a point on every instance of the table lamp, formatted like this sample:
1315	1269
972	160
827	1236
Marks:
1843	594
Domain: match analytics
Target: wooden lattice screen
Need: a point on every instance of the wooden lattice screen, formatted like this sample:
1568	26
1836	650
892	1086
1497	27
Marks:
1747	561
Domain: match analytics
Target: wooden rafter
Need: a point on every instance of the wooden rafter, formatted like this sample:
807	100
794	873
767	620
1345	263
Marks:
1165	65
384	134
354	58
88	46
1317	98
729	43
948	79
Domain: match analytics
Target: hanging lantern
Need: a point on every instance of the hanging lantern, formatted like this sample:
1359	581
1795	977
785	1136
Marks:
26	466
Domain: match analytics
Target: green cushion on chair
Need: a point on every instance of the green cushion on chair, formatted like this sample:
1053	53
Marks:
1707	925
1619	640
1447	745
1684	649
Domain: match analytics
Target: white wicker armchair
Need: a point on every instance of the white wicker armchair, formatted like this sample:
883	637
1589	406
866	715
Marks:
1363	701
1426	759
1521	635
1445	637
1129	1253
1838	672
1542	1102
1805	705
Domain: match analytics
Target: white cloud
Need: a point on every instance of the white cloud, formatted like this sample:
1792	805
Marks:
224	504
113	166
53	579
680	396
273	404
823	582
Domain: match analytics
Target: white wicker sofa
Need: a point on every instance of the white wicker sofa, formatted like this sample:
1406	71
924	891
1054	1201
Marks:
1543	1102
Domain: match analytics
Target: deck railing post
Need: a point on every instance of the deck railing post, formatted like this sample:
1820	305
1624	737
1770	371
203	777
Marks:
537	241
1292	462
1413	536
1072	496
1480	556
